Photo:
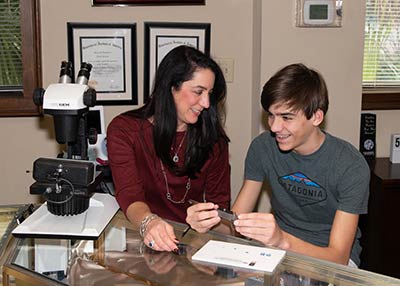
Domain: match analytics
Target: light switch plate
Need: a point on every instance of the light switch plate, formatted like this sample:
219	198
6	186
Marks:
227	67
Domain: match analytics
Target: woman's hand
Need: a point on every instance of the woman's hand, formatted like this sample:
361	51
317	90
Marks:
202	216
160	235
261	227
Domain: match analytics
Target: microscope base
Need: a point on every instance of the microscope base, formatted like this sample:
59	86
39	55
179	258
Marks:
87	225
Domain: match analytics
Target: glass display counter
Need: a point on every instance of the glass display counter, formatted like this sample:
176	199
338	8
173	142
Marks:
10	217
119	257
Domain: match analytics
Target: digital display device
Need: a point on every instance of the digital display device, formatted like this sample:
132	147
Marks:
318	12
96	119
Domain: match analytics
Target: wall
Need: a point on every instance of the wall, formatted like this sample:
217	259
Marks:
335	52
259	35
387	123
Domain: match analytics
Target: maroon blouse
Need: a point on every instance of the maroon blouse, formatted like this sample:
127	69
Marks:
137	172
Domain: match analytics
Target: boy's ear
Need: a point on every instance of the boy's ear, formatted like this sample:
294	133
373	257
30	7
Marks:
318	117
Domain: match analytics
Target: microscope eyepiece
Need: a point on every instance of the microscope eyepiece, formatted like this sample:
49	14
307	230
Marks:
65	72
84	73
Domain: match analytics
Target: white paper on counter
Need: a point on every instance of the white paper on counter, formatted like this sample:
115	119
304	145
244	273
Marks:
240	255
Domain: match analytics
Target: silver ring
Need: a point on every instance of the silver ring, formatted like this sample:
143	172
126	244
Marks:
152	243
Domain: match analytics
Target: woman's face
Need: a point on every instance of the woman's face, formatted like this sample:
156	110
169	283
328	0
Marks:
193	97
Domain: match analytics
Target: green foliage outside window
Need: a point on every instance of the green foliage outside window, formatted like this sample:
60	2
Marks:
382	44
10	44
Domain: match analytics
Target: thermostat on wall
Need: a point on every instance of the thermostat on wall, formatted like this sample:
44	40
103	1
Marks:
319	13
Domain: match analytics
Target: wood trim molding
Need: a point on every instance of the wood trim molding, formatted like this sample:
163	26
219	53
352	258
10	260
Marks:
380	101
20	103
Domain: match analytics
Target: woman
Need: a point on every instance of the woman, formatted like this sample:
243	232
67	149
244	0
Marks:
173	149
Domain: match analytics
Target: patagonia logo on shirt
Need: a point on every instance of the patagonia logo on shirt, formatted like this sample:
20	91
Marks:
303	189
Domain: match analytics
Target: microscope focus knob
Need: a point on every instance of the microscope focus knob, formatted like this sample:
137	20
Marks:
38	94
89	98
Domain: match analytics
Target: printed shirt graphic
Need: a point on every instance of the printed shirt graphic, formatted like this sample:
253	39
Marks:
303	189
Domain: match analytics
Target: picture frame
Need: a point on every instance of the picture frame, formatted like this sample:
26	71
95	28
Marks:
146	2
162	37
111	50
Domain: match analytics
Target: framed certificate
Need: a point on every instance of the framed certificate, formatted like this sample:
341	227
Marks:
111	50
160	38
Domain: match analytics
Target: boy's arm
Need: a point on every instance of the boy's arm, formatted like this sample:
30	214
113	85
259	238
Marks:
340	241
263	227
247	198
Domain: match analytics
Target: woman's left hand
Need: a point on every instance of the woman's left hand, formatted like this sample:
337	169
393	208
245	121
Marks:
160	236
202	216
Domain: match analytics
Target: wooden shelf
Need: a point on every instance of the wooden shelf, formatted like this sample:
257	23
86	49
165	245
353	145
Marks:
380	227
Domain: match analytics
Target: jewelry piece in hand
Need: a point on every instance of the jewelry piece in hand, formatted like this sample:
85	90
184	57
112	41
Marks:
152	243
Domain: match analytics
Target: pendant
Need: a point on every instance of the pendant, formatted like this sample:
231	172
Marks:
175	158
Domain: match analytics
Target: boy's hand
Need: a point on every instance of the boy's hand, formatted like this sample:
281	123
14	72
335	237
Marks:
261	227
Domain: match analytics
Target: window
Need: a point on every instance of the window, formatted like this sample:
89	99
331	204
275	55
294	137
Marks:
20	71
381	69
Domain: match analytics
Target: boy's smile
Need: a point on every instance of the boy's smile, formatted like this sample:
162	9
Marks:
293	131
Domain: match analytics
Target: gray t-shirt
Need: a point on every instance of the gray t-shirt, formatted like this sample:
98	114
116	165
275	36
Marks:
308	190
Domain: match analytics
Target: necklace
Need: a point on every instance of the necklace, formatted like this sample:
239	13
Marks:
175	158
168	194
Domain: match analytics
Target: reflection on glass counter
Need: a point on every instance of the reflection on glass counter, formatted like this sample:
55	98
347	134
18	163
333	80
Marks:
10	216
7	215
119	257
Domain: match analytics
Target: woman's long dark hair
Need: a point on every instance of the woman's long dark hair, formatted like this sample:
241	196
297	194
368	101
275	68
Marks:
177	67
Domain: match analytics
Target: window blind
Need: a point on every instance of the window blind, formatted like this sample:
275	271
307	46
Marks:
382	44
10	45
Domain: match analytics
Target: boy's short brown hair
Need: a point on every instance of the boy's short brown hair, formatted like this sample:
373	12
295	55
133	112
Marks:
297	86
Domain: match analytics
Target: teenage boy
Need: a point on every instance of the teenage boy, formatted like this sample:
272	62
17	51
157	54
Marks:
320	183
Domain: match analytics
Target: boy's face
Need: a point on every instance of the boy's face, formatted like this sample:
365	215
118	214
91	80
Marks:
293	131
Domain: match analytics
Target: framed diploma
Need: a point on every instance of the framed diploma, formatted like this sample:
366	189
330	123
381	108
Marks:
160	38
111	50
